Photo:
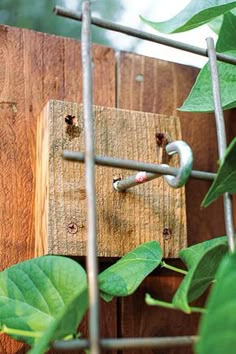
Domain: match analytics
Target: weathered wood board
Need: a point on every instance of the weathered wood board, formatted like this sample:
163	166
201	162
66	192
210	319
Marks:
37	67
34	68
151	211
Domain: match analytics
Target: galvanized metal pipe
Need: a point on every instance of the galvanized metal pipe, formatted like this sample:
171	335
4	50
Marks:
74	15
127	343
91	259
136	165
221	137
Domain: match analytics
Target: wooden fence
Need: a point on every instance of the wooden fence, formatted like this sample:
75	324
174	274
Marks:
35	68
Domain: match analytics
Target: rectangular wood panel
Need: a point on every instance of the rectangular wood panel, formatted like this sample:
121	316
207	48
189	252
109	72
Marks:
125	220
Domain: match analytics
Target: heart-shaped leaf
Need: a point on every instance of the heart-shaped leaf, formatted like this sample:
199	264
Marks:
225	181
191	255
216	23
199	277
217	328
123	278
35	292
200	98
195	14
226	40
65	322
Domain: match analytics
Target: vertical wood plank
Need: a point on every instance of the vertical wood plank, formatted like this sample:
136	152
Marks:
163	88
140	320
152	85
34	68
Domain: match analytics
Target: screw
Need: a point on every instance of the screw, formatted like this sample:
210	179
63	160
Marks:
139	78
72	228
71	120
72	126
166	233
116	179
161	139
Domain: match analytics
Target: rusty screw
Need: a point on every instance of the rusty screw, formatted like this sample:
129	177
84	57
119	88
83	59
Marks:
72	126
167	233
116	179
72	228
161	139
71	120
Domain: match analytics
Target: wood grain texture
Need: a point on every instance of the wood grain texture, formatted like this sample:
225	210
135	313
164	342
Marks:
163	88
141	320
34	68
125	220
152	85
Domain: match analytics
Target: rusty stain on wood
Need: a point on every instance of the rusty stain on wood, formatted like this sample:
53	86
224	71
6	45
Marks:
125	220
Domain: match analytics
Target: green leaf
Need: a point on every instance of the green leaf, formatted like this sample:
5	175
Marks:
218	325
106	297
33	293
226	40
195	14
225	180
66	321
191	255
200	98
123	278
199	277
216	23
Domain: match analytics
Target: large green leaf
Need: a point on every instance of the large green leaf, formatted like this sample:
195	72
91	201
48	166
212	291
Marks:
218	325
35	292
200	98
199	277
66	321
195	14
123	278
216	23
226	40
191	255
225	180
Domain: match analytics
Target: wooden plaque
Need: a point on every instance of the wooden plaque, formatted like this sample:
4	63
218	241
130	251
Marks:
151	211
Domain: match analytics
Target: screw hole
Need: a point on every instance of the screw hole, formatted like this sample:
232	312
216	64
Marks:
139	78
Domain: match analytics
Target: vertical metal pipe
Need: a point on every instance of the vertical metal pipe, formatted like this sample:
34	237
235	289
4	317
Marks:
92	266
221	137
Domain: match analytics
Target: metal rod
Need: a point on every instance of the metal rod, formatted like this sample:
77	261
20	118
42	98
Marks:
135	165
74	15
91	259
126	343
221	137
186	162
141	177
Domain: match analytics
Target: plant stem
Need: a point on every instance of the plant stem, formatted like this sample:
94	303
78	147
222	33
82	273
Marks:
175	269
169	305
20	332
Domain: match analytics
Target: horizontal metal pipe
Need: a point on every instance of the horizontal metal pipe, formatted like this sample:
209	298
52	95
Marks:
126	343
135	165
74	15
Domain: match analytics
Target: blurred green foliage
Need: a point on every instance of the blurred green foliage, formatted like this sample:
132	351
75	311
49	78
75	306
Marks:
38	15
